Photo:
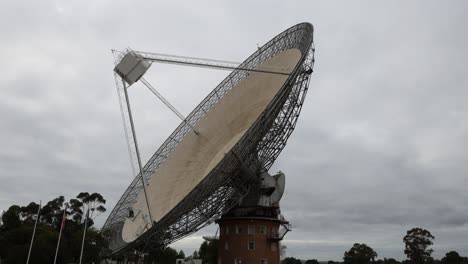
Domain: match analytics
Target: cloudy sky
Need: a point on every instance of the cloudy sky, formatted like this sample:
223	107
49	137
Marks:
381	145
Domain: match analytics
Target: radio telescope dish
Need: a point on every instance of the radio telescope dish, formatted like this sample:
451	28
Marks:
241	127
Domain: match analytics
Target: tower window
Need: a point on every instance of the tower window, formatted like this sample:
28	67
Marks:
251	229
263	261
238	229
273	246
273	232
262	230
227	230
226	245
251	245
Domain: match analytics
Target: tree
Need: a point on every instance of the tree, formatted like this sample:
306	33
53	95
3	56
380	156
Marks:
452	257
28	213
390	261
84	201
167	256
291	260
359	254
11	218
208	252
417	245
195	254
311	261
52	212
181	254
17	227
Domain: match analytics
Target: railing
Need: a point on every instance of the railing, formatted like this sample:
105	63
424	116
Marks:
284	229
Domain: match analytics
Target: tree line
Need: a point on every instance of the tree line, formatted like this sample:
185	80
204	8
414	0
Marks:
208	253
418	242
17	223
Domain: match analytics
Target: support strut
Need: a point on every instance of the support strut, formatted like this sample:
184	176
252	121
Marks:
143	181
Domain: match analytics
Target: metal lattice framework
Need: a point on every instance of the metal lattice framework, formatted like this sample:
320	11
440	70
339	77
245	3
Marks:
225	185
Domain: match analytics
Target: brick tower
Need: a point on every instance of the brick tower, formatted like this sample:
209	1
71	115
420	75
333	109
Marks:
251	234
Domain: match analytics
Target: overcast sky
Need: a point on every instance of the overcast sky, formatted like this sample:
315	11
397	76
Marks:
381	145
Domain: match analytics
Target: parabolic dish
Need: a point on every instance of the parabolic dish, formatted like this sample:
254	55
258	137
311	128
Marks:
243	125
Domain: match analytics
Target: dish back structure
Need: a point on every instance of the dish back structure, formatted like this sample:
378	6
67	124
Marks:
226	185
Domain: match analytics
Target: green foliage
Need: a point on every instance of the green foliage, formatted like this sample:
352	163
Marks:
452	257
167	255
311	261
291	260
181	254
417	245
11	218
28	213
208	252
17	228
51	213
84	202
390	261
359	254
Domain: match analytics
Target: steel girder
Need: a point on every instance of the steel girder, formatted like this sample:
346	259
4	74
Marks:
226	185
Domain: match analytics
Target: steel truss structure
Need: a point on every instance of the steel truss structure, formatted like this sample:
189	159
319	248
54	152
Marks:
227	184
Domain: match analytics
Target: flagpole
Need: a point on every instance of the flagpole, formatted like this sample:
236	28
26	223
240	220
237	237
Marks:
84	235
34	232
60	233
